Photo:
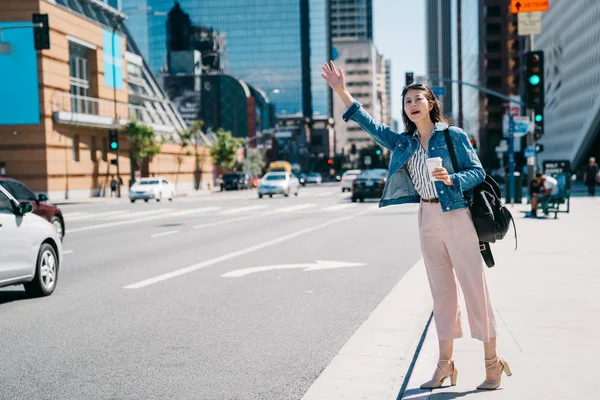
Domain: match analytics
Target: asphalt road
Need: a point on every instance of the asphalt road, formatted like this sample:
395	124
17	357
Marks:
143	310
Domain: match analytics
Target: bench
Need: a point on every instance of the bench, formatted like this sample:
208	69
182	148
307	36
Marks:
563	198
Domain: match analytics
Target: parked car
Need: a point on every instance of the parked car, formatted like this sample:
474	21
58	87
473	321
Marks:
236	181
40	203
347	178
314	177
369	184
151	188
30	247
284	183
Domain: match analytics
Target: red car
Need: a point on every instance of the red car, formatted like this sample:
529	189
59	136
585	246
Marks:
41	205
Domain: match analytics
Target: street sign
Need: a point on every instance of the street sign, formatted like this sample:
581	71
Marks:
525	6
439	90
522	125
367	160
529	23
556	166
529	152
317	266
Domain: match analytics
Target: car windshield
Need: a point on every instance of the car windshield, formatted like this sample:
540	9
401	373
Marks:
373	174
314	175
230	176
275	177
350	176
149	182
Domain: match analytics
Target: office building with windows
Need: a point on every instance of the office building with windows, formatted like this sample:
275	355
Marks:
438	49
352	19
59	104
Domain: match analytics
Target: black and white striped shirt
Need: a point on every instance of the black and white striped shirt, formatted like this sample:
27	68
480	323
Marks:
417	169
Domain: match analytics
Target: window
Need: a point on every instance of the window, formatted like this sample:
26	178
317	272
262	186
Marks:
75	147
93	148
18	191
494	64
494	11
104	149
5	203
79	78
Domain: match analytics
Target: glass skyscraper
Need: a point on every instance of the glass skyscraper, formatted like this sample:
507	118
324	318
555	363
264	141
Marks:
275	46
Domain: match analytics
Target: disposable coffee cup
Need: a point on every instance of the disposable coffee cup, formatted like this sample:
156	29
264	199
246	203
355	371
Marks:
433	163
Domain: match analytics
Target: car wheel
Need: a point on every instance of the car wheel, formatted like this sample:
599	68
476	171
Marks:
58	225
287	194
133	201
362	199
145	200
354	199
296	194
260	196
270	196
46	273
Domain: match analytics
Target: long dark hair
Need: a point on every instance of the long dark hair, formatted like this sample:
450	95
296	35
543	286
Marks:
436	112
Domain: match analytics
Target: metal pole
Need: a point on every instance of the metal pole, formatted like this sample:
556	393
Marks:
511	158
117	22
530	138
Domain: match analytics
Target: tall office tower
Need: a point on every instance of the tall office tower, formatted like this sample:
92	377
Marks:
352	19
439	48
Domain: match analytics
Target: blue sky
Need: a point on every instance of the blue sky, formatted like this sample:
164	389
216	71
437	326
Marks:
399	34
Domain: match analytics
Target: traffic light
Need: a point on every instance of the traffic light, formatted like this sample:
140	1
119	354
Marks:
330	161
113	139
409	78
378	152
41	34
534	81
539	148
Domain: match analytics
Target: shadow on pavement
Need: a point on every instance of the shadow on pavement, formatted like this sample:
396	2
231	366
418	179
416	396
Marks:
7	296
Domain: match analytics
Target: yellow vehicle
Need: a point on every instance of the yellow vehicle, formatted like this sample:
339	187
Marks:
280	166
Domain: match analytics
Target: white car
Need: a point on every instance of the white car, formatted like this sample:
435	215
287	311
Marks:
314	177
30	248
347	178
284	183
151	188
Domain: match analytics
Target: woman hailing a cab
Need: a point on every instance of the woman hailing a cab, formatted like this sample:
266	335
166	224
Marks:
448	238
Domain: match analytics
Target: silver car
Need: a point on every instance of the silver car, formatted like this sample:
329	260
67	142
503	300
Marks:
284	183
30	248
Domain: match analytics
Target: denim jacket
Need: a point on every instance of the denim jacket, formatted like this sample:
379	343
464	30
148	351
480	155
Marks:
399	188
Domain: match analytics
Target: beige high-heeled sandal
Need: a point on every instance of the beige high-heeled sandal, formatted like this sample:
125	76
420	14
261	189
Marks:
497	365
441	374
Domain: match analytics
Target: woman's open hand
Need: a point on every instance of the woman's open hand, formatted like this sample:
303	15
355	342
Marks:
333	76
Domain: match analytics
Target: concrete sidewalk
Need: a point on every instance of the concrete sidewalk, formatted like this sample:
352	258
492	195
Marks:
547	301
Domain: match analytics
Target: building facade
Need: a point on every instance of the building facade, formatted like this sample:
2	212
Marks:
54	130
352	19
569	40
438	22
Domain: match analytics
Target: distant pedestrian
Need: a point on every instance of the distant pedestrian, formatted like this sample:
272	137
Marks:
113	186
547	186
590	176
449	242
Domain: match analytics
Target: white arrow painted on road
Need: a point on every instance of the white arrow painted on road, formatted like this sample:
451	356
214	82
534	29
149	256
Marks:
318	265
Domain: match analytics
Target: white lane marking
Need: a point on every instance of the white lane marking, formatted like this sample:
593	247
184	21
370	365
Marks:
117	223
227	221
160	234
234	254
316	266
338	207
96	215
74	214
241	209
68	252
144	213
193	211
295	208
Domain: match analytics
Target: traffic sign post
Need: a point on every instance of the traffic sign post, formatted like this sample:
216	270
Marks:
529	23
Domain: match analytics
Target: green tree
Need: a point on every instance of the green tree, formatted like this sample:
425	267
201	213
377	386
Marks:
224	150
142	144
257	162
184	138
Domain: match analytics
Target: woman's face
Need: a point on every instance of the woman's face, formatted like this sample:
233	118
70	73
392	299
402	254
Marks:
416	105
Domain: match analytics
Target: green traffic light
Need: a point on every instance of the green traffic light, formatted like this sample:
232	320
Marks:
113	145
534	79
538	118
378	152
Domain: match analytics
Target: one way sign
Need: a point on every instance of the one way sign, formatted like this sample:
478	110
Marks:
525	6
